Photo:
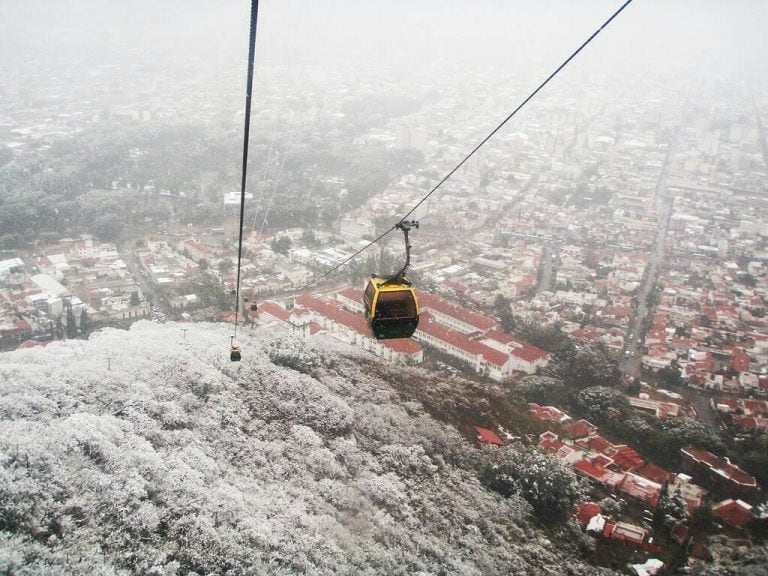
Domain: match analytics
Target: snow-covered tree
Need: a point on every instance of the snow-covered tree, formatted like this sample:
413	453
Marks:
543	390
171	460
730	560
671	508
551	488
603	405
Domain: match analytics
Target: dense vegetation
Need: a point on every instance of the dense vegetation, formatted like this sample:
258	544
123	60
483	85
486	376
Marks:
170	459
114	179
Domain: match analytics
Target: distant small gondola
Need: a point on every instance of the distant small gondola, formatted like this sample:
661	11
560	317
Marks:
391	306
234	351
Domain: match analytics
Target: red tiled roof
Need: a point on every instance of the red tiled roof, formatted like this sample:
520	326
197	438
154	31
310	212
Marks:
502	337
334	311
721	467
488	436
608	529
755	406
275	310
585	334
732	403
529	353
641	488
587	511
403	345
595	472
548	413
601	460
551	444
624	532
352	293
733	512
599	444
615	311
479	321
749	422
455	338
579	429
739	360
626	458
653	472
356	322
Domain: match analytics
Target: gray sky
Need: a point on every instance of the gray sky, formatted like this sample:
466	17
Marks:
401	41
693	32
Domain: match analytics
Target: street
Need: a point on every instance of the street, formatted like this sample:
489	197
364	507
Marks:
158	299
631	364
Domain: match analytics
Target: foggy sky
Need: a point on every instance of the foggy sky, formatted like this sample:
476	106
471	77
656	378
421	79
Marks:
57	44
709	34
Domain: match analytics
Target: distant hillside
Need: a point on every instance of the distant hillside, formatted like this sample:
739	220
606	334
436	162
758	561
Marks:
148	452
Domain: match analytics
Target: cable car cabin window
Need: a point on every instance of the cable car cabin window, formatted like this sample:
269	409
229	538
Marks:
393	305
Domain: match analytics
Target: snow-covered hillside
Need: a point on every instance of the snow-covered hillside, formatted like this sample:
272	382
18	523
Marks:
148	452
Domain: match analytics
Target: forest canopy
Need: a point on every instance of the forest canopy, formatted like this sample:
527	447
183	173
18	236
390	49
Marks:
149	452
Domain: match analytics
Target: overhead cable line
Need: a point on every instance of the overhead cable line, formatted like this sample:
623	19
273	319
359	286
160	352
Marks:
277	182
246	134
516	110
476	148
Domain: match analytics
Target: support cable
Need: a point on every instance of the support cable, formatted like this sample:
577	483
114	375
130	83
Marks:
476	148
246	134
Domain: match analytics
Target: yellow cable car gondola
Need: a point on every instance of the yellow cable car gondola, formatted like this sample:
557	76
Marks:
391	307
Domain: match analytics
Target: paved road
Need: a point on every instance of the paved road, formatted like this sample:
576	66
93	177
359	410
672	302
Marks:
128	254
631	365
549	255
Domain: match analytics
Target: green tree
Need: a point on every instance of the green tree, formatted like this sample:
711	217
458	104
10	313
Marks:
549	337
670	509
84	323
71	324
603	405
308	237
593	365
504	313
281	245
225	265
543	390
669	377
134	299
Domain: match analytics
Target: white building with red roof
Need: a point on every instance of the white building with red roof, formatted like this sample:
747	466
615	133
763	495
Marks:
89	248
486	436
718	470
311	315
446	327
453	316
733	512
481	358
548	413
524	357
352	299
642	489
